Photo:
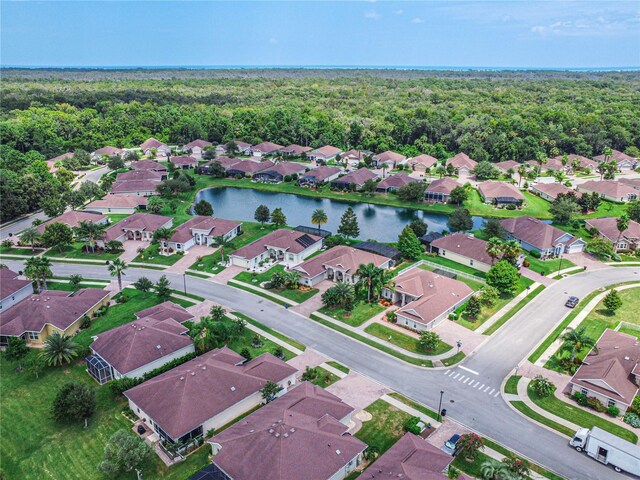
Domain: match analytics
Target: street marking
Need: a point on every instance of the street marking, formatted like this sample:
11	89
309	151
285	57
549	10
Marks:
466	380
451	373
488	387
447	372
492	390
461	378
476	384
481	386
497	393
469	370
457	375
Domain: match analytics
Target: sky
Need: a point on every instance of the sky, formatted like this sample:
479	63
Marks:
522	33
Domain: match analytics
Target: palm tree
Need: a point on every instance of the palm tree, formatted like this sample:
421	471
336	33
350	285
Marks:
368	277
319	218
162	234
511	251
541	158
38	269
607	153
221	241
90	232
344	293
522	171
117	268
575	340
202	334
494	469
622	223
602	169
494	248
59	349
30	236
217	312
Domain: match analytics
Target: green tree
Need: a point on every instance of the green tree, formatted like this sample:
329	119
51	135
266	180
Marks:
278	218
408	244
504	277
460	220
428	340
622	223
90	191
116	269
522	172
492	469
564	209
16	348
57	235
124	453
612	301
155	204
75	280
34	364
349	224
412	192
574	340
600	247
511	251
492	227
633	210
59	349
115	162
459	195
162	235
368	276
419	227
489	295
90	232
469	445
30	236
485	171
53	205
203	208
369	187
163	288
143	284
262	214
319	218
339	295
221	241
542	386
74	401
270	391
494	248
217	313
473	307
38	269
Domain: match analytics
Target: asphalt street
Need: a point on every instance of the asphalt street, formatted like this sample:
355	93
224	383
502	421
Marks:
471	390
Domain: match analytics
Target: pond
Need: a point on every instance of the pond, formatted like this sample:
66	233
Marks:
377	222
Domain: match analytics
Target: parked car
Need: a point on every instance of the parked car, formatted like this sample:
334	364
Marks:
572	302
450	446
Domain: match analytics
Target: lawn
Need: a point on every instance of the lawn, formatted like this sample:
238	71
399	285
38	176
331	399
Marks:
116	217
75	250
239	344
415	405
533	206
362	312
295	295
545	267
512	384
403	340
66	287
338	366
519	306
472	468
271	331
151	255
535	416
385	428
579	416
458	357
324	378
455	265
475	285
26	251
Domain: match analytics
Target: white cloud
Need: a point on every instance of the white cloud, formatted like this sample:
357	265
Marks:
373	15
273	41
417	20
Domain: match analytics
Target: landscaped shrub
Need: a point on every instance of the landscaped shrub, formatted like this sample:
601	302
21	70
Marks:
580	398
542	386
632	419
122	298
596	404
534	254
613	411
86	323
310	374
411	425
511	206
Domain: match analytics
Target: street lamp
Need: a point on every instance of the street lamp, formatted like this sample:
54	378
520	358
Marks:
459	345
560	264
184	282
440	406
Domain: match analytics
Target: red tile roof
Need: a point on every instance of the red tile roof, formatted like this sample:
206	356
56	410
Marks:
10	283
464	244
616	155
389	157
490	189
345	258
289	240
213	226
72	219
506	165
286	168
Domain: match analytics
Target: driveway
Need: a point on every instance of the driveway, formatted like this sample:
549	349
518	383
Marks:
315	302
131	249
308	358
189	258
584	259
357	390
227	274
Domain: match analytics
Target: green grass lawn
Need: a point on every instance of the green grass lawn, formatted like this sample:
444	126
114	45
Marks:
533	206
116	217
271	331
415	405
579	416
362	312
67	286
403	340
608	209
324	378
533	415
548	266
238	344
472	468
385	428
458	357
455	265
75	250
475	285
512	384
296	295
338	366
151	255
26	251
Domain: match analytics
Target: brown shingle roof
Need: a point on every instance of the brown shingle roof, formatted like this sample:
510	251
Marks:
130	186
617	156
506	165
213	226
72	219
183	161
109	151
462	160
131	175
226	162
491	189
148	222
465	245
612	188
166	310
343	257
290	240
266	147
295	149
426	160
608	227
357	177
197	143
148	165
250	166
61	157
326	151
443	185
152	143
535	232
321	173
632	182
388	157
285	168
398	180
553	189
188	395
10	283
121	201
354	155
296	437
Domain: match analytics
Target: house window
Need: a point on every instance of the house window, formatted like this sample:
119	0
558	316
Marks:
611	403
443	252
33	336
178	246
583	391
470	262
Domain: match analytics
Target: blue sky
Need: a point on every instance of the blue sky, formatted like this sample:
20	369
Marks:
443	33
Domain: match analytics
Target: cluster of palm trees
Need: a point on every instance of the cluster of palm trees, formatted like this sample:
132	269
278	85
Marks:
373	279
216	330
86	231
575	340
290	279
38	269
506	250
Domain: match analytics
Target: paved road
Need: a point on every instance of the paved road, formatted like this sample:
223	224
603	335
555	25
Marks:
476	399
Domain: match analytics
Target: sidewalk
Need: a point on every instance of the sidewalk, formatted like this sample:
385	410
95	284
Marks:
536	277
524	397
504	310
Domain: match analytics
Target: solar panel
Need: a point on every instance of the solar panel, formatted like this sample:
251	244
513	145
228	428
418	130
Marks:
305	240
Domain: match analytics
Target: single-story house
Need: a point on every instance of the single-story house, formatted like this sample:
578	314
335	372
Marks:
107	152
555	164
206	393
388	159
440	190
550	191
420	163
147	164
201	230
607	227
394	182
500	193
12	289
582	162
37	316
505	166
248	167
152	144
623	161
139	226
166	310
294	150
265	148
289	247
464	249
338	264
138	347
612	190
225	162
146	188
354	157
196	147
462	163
380	249
244	148
51	163
278	172
301	435
354	179
318	175
184	163
632	182
425	298
72	219
324	154
149	175
534	234
411	458
610	372
126	204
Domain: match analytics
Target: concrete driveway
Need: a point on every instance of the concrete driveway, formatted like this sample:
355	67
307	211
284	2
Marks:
131	249
357	390
315	302
189	258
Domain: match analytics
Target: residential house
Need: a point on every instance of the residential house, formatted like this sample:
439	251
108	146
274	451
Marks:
338	264
139	226
248	168
610	372
462	163
146	188
12	289
354	180
324	154
243	148
149	175
279	171
500	193
607	227
632	182
201	230
555	164
136	348
107	152
440	190
582	162
151	144
196	147
550	191
72	219
354	157
265	148
123	204
612	190
425	298
184	163
464	249
51	163
318	176
623	161
411	458
422	162
536	235
148	165
394	182
294	150
206	393
507	165
381	249
166	310
225	162
302	435
289	247
388	159
37	316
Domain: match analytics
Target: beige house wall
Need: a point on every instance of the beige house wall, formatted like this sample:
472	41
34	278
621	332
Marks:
483	267
603	398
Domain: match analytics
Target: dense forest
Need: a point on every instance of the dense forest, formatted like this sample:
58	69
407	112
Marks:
491	116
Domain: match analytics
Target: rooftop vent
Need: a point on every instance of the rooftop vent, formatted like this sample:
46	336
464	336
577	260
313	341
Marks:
338	452
233	389
277	435
193	374
271	430
181	378
292	430
158	347
204	367
627	358
251	431
286	435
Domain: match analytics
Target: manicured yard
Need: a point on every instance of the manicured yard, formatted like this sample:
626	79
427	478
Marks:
66	287
26	251
362	312
472	468
324	378
548	266
385	428
116	217
151	255
338	366
256	279
475	285
519	306
75	250
455	265
403	340
512	384
458	357
271	331
238	344
415	405
535	416
533	206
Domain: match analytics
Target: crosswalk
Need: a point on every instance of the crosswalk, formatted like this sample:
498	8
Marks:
471	381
